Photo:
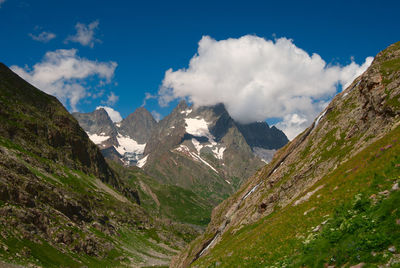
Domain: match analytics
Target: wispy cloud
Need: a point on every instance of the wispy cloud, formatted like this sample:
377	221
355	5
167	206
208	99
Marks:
1	2
67	76
43	37
157	116
258	79
85	34
147	97
112	99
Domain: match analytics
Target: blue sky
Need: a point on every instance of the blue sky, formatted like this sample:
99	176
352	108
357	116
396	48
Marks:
146	38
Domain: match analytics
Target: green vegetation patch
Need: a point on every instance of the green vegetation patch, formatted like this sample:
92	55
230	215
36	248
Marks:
352	219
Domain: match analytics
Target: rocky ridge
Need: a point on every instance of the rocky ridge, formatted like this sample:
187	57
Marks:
120	141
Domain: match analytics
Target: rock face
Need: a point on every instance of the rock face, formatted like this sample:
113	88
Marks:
121	141
205	150
350	151
60	202
97	122
138	125
260	135
263	140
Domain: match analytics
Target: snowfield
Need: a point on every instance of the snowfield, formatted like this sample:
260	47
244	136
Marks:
198	127
185	150
142	161
219	152
128	145
197	145
186	112
98	139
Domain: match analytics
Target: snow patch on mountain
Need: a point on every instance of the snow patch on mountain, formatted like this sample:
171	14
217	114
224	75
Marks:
198	127
142	161
185	150
197	145
186	112
251	191
98	139
129	145
219	152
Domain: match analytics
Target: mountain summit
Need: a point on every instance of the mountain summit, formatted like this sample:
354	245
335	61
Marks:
204	149
138	125
122	141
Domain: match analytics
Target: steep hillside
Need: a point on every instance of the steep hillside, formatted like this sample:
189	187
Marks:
329	197
41	125
60	203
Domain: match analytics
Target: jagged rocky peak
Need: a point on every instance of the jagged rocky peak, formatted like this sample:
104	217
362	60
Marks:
138	125
125	140
182	105
259	134
263	140
200	147
210	129
97	125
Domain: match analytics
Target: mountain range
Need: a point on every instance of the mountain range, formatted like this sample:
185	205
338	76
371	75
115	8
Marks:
201	149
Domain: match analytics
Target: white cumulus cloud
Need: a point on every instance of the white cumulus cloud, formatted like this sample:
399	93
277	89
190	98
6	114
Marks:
84	34
43	36
114	115
64	74
258	79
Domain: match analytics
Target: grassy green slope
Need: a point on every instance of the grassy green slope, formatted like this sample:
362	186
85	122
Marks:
361	220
